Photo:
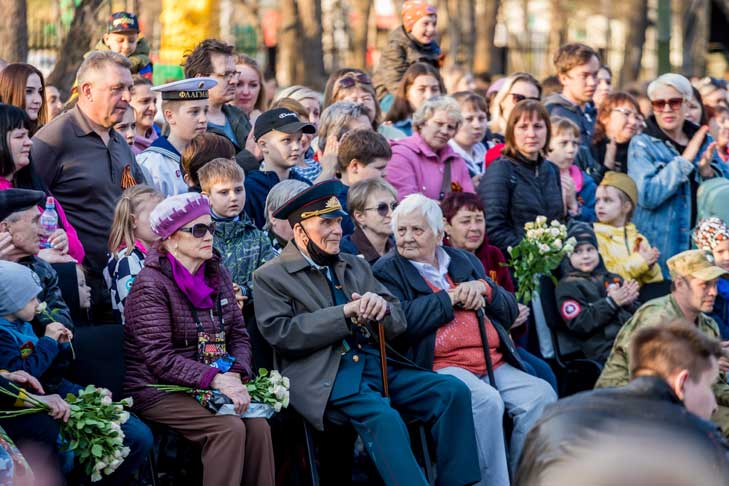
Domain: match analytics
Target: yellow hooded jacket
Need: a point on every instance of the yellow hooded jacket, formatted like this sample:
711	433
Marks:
619	249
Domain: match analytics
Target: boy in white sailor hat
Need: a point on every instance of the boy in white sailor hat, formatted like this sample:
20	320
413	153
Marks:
185	109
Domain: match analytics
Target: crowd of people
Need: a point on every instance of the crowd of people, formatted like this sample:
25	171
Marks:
358	240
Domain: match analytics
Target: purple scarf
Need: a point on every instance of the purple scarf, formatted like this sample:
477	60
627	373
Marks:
194	287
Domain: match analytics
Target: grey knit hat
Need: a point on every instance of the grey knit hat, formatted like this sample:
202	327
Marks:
18	285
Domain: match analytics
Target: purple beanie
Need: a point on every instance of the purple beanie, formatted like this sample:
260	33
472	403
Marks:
176	211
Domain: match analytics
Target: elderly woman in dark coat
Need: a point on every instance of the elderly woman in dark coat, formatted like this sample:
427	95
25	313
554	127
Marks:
183	327
447	298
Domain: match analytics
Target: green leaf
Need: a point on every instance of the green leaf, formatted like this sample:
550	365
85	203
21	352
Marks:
97	450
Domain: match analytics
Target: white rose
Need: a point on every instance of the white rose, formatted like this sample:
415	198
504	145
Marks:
106	401
554	232
569	249
123	417
539	233
555	223
277	406
127	402
557	244
95	477
541	220
99	466
125	451
286	382
529	226
543	248
285	402
531	234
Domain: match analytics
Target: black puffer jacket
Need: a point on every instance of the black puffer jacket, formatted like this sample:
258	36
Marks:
515	191
592	319
569	432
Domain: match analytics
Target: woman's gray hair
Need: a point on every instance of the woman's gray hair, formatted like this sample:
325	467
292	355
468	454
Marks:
420	205
335	118
97	60
438	103
298	93
675	81
280	195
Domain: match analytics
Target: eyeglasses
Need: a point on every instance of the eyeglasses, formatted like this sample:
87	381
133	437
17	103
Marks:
673	103
629	114
520	97
227	75
199	230
383	208
351	79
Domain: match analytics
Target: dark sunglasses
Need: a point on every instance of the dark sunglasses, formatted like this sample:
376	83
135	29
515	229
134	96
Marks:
673	103
519	97
352	79
383	208
199	230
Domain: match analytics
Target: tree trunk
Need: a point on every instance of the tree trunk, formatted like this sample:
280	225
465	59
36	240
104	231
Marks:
360	22
14	32
558	31
288	40
79	39
634	42
488	58
695	15
468	14
311	58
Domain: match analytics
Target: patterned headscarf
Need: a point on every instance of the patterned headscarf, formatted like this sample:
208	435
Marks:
414	10
709	233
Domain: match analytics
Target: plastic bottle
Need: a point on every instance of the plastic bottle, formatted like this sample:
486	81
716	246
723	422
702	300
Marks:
48	222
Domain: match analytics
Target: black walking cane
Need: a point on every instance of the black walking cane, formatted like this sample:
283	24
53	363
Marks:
485	343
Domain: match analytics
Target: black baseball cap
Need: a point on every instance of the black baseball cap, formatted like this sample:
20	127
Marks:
282	120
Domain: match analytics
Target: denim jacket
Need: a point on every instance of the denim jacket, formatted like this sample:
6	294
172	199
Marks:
663	175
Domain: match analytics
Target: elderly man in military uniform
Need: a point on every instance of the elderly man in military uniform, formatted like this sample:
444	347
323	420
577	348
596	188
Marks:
320	309
694	276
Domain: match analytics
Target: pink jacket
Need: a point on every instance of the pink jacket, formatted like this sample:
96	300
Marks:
415	167
75	248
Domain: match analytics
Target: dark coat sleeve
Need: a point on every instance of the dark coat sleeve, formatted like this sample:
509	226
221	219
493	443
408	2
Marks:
57	310
495	193
36	364
592	314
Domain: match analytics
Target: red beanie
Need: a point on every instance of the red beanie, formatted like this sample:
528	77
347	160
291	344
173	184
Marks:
414	10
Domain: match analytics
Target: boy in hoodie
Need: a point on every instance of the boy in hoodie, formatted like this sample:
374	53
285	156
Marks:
593	302
577	66
413	41
278	135
46	358
624	250
122	36
242	246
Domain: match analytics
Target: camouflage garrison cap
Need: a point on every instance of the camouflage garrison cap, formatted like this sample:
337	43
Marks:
695	263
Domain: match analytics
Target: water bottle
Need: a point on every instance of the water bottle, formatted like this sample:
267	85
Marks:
48	222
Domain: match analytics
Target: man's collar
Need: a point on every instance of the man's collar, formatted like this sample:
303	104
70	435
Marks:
82	123
294	260
653	386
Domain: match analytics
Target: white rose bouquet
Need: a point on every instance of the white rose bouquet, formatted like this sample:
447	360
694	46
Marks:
93	431
269	393
538	253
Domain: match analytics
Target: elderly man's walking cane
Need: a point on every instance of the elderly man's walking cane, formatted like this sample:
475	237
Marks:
383	358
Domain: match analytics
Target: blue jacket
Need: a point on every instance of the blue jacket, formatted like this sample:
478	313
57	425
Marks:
258	183
663	178
44	358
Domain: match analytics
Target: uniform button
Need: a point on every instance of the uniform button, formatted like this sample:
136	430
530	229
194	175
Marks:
359	346
355	358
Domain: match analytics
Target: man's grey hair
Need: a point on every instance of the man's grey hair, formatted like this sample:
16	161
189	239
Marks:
418	204
438	103
279	195
97	60
335	118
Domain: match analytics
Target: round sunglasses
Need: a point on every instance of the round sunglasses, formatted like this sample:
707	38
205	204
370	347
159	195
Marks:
350	79
383	208
199	230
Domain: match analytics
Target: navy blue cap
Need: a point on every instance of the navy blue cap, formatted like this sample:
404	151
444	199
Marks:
282	120
122	22
318	200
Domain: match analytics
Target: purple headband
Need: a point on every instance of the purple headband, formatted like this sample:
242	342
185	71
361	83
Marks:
176	211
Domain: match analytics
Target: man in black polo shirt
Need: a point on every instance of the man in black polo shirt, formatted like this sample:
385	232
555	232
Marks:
86	164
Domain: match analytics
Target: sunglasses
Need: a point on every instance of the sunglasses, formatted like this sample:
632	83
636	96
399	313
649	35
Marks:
351	79
199	230
383	208
673	103
520	97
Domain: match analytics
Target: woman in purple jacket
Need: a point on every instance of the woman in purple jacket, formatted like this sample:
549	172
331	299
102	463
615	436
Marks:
184	327
424	162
